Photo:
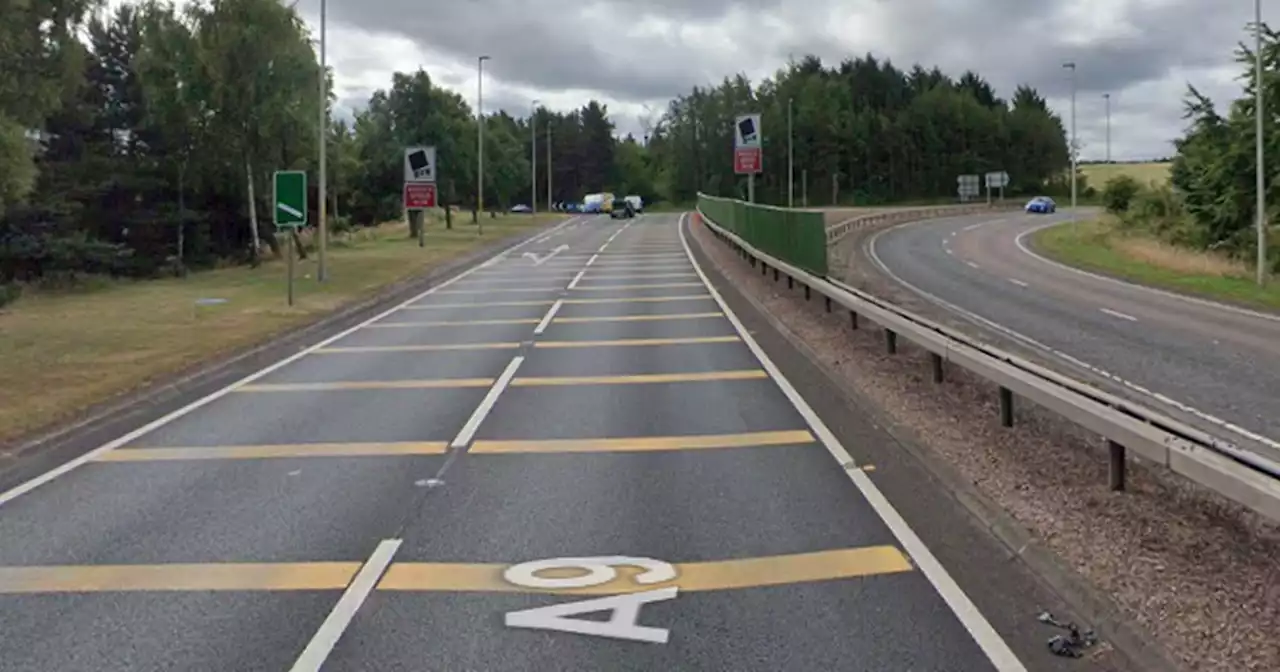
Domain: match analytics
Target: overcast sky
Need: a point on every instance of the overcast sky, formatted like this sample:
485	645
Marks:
632	53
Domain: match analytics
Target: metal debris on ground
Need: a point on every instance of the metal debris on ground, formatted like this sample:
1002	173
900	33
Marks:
1071	645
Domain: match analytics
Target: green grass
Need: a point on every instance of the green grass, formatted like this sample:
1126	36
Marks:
1100	246
1098	174
65	351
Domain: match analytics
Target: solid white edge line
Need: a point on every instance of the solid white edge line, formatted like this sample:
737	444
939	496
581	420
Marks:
994	646
313	657
468	430
1116	313
19	490
551	315
1018	240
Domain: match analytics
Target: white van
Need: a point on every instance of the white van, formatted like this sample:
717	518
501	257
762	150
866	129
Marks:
636	202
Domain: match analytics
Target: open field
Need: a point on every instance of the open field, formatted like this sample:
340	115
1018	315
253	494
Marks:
64	352
1099	246
1098	174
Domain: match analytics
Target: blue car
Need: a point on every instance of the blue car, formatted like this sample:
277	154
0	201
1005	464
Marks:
1041	205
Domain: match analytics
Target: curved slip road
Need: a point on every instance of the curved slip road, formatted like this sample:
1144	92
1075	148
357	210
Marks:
577	426
1215	366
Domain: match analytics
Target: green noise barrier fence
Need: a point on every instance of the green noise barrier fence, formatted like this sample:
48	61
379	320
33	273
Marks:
794	236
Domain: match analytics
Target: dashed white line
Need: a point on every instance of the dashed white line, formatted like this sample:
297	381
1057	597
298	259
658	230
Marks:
551	313
593	258
486	405
574	282
1017	282
972	265
947	250
322	643
1118	314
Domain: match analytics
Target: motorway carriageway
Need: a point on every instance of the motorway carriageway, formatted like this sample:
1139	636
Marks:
420	492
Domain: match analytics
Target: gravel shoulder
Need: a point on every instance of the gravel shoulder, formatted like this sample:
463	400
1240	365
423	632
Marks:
1163	565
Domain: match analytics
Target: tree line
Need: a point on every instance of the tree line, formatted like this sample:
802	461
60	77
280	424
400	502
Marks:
864	132
140	141
1210	201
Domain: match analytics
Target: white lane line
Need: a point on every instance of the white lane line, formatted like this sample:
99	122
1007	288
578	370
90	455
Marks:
1022	245
947	250
322	643
1073	361
1118	314
971	227
987	638
972	265
592	260
615	235
468	431
574	282
24	488
551	313
1017	282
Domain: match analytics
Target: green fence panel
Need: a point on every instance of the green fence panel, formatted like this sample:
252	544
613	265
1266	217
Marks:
794	236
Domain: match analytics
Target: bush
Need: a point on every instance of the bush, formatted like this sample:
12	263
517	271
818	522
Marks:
9	293
1119	192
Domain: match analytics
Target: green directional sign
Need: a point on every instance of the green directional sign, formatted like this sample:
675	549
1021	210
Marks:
289	196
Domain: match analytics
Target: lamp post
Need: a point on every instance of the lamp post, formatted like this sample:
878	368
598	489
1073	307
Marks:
1072	67
1260	178
791	165
480	142
322	229
1107	97
533	157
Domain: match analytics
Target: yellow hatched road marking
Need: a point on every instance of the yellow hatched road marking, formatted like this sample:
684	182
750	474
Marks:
644	443
644	378
416	348
367	385
625	342
644	299
504	290
690	576
285	450
178	577
606	288
638	318
830	565
494	304
450	323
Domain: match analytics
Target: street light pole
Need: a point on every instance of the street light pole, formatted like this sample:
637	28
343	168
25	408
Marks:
1072	67
322	229
533	157
791	164
548	163
480	142
1107	97
1261	185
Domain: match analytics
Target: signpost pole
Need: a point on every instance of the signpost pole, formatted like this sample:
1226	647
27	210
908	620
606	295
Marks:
751	188
289	266
420	184
289	198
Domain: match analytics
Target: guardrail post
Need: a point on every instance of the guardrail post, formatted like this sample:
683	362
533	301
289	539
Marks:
890	341
775	275
807	292
853	320
791	282
764	268
1006	407
1116	472
936	360
828	303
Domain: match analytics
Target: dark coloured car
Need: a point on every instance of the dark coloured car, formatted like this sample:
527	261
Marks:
622	209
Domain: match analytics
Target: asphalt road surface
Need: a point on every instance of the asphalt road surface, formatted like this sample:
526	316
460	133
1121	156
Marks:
571	457
1214	366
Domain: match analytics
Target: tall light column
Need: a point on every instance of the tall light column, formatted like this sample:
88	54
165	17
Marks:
1107	97
322	228
480	142
533	157
1260	178
791	163
1072	67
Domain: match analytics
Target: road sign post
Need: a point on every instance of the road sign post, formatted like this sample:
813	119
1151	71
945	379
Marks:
996	180
420	184
967	187
289	198
747	150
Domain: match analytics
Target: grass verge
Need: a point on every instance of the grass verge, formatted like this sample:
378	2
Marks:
1145	173
1100	246
64	352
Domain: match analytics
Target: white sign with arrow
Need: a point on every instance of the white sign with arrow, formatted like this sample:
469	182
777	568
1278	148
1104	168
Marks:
537	261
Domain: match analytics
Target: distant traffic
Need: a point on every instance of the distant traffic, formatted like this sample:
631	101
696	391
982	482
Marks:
600	203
